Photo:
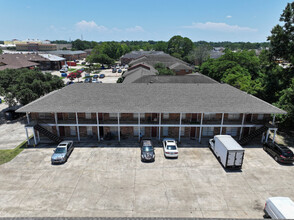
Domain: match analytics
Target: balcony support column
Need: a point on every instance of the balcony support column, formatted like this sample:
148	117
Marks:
28	117
241	130
222	122
78	129
200	131
180	128
98	131
274	119
139	129
56	124
159	126
118	127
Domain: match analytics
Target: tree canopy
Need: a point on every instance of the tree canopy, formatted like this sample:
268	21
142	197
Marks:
24	86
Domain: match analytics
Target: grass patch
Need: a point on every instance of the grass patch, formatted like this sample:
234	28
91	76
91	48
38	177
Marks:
8	155
71	70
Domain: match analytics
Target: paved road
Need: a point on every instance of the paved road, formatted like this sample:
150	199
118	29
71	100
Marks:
113	182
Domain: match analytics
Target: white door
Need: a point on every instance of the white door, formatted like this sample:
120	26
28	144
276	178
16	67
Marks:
231	158
239	158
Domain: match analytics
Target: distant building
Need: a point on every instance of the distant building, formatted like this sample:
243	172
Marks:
127	58
42	61
69	55
35	47
178	66
62	46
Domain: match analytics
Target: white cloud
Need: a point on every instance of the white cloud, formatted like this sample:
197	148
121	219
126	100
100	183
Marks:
90	25
229	16
222	27
135	29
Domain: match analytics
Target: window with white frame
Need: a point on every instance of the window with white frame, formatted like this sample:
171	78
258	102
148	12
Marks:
73	131
142	115
113	130
165	131
88	115
232	131
208	131
233	116
183	115
113	115
209	116
165	115
260	117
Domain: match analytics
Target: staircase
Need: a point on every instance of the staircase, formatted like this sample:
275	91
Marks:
47	133
254	134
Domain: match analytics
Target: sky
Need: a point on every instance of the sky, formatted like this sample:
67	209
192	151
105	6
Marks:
117	20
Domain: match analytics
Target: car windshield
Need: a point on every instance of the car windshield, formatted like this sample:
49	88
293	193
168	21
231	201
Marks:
147	148
287	153
171	147
60	150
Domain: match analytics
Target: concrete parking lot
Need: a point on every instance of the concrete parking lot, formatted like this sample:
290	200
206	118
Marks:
114	182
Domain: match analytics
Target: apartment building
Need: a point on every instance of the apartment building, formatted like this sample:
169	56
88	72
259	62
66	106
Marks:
123	111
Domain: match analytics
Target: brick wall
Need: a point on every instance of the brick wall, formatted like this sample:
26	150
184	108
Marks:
127	131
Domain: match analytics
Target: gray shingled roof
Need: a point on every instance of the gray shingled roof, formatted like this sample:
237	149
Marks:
136	54
135	97
166	59
199	78
135	74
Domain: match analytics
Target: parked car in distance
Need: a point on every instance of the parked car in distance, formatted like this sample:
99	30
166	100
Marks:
113	70
147	151
96	76
101	76
63	70
119	71
170	147
62	152
69	83
279	152
64	74
94	80
88	80
83	63
279	208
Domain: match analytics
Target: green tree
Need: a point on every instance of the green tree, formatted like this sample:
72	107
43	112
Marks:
286	102
100	58
282	38
1	51
199	54
162	70
24	86
179	45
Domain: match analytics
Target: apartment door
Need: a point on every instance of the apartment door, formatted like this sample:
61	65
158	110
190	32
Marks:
154	132
61	131
193	132
194	117
59	116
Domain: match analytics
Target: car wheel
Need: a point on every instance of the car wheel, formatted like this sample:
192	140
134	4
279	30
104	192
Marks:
219	159
264	148
276	158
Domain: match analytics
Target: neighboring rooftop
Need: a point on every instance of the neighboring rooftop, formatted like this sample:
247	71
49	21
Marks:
142	98
137	54
138	71
65	52
196	78
18	61
166	59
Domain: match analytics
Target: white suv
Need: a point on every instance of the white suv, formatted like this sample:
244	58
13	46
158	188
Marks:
170	147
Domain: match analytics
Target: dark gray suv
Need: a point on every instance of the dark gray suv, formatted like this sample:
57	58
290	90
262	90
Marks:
147	151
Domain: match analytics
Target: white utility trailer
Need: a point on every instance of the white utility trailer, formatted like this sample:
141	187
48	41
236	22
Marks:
227	151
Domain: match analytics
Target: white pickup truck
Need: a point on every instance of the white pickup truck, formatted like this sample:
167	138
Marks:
229	153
